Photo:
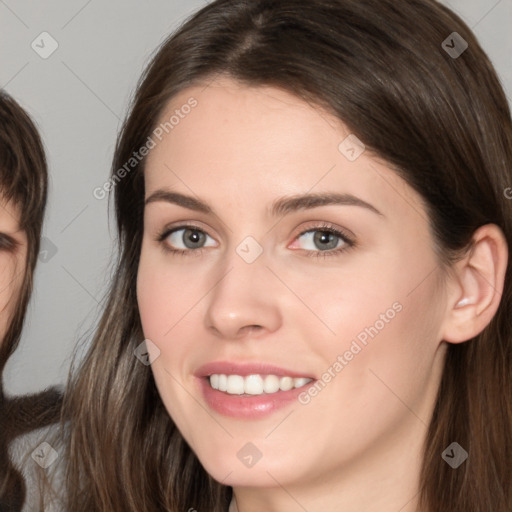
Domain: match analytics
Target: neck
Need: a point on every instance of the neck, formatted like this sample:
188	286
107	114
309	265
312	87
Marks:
384	479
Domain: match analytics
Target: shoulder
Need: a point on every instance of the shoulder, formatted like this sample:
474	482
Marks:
36	456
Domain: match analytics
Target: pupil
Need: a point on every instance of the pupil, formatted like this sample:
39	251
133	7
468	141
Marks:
192	238
326	239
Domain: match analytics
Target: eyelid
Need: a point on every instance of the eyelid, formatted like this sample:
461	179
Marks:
313	225
349	241
183	225
176	226
8	243
320	225
346	235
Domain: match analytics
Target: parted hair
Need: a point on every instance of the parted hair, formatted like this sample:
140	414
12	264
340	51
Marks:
23	182
442	123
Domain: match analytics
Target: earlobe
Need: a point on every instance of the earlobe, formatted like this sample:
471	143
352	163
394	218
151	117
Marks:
479	279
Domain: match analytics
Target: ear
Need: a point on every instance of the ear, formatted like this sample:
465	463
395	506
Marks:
476	285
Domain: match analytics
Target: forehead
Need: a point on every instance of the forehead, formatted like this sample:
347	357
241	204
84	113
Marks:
250	144
251	118
9	216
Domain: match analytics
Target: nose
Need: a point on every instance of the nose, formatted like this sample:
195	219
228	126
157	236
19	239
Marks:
244	301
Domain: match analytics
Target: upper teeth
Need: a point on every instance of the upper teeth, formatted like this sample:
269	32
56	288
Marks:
255	384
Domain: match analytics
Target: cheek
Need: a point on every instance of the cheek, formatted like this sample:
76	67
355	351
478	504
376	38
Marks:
385	326
379	373
10	283
149	299
166	295
345	301
389	358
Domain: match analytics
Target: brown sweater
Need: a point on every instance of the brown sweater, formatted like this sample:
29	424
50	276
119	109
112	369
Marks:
18	417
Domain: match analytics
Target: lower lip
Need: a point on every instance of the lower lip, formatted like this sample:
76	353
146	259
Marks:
249	407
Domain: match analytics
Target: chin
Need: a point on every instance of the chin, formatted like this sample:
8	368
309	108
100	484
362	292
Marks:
246	467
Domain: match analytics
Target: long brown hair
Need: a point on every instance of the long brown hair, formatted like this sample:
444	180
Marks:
441	121
23	181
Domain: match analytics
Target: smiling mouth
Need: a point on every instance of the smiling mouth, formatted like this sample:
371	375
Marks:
255	384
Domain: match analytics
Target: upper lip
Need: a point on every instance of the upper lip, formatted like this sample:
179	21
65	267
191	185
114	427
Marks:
244	369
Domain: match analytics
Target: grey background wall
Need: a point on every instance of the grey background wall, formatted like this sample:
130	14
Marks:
78	96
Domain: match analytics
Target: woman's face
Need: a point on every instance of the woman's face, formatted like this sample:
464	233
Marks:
13	253
300	261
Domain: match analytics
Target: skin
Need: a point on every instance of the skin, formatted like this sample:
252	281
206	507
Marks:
13	253
357	444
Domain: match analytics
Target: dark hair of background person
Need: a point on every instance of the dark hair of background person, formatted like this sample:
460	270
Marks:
442	123
23	180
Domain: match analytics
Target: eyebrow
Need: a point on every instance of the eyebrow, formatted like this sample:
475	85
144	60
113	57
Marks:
281	206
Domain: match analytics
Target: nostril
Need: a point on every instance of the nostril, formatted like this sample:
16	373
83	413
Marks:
250	329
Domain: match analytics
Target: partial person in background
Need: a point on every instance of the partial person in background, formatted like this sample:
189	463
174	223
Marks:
308	173
23	191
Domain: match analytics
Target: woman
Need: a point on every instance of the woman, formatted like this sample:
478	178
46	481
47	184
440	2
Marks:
23	187
313	243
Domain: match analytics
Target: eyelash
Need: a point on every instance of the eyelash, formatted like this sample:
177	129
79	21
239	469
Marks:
324	227
7	243
349	242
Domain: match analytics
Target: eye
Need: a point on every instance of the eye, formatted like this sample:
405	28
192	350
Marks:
185	238
323	239
7	243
